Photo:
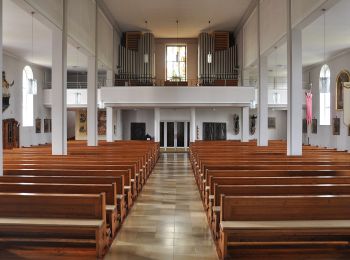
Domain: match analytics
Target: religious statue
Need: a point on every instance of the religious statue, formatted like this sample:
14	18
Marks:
236	124
6	85
252	124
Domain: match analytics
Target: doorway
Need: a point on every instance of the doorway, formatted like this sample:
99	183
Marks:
174	135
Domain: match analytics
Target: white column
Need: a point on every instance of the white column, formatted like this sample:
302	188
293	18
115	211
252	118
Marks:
110	117
185	134
294	70
193	125
263	112
92	137
1	66
156	124
245	124
59	87
119	125
92	102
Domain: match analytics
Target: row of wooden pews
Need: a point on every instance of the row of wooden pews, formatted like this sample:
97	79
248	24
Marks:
262	204
70	207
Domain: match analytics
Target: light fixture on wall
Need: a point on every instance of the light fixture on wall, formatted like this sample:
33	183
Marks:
33	84
146	55
209	56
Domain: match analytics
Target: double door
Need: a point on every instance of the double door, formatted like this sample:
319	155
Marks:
174	134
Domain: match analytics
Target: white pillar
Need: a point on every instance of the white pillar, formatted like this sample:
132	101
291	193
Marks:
92	102
59	87
185	134
193	125
1	66
119	125
92	137
245	124
156	124
295	82
110	117
263	112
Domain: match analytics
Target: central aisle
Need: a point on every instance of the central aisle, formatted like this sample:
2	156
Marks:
168	220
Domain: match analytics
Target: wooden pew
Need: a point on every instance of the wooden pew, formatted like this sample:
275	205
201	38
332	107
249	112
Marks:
126	190
55	219
119	182
278	222
110	191
271	190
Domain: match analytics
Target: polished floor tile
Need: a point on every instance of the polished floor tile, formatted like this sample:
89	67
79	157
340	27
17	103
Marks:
168	220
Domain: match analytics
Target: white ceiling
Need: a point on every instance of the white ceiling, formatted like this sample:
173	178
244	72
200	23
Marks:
337	34
17	39
193	15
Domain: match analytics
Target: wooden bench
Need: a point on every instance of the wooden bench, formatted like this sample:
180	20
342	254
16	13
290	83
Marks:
284	220
54	219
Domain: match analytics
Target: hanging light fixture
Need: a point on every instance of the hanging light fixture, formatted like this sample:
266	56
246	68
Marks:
324	38
177	40
77	94
33	84
209	56
275	81
146	55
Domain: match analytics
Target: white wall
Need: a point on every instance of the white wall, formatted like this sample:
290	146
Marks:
280	132
137	116
219	115
14	69
324	136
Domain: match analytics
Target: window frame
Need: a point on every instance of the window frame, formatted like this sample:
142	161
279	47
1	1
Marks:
179	62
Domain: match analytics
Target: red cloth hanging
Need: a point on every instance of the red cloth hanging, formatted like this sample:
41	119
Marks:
308	96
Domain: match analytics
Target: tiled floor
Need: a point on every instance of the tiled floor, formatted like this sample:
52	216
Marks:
167	221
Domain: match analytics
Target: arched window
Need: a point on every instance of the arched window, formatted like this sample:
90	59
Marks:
27	101
325	95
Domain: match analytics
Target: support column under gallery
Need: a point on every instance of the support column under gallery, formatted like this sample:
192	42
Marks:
245	124
193	125
111	118
156	124
59	87
119	125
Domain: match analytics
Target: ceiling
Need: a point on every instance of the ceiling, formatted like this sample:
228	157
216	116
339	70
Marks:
17	39
193	15
17	32
337	34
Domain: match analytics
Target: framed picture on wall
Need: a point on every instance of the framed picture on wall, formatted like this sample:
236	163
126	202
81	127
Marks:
349	130
343	76
271	122
336	126
314	126
38	125
304	126
102	122
47	125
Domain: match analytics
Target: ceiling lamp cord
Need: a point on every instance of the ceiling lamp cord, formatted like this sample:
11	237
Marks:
324	35
32	36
